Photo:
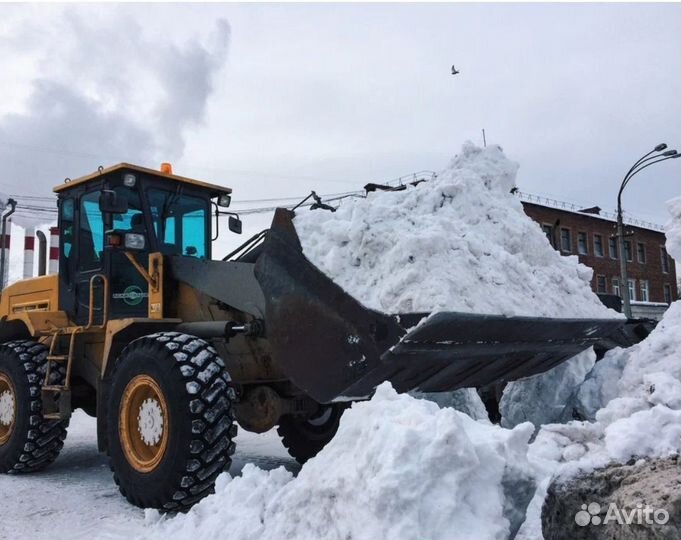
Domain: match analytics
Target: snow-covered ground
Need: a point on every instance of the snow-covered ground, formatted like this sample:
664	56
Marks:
76	496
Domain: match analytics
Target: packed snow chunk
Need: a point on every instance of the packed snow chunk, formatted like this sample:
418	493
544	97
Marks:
399	468
673	229
465	400
541	399
460	242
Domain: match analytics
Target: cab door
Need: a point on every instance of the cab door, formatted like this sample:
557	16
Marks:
81	256
129	290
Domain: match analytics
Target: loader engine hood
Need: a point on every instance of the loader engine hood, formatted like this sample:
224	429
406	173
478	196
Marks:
334	348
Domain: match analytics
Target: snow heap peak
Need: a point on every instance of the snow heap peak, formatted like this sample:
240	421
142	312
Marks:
460	242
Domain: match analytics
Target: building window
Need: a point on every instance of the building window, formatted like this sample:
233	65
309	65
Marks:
582	246
616	286
641	250
644	291
598	245
664	260
601	286
667	293
632	289
548	231
613	248
565	240
627	251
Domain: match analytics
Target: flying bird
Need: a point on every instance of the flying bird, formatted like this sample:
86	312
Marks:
454	71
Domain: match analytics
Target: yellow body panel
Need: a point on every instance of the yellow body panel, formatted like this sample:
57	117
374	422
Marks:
29	295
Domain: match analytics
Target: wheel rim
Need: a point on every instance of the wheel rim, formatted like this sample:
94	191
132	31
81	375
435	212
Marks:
8	408
143	423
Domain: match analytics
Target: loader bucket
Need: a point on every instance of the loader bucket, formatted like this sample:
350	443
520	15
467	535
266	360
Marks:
334	348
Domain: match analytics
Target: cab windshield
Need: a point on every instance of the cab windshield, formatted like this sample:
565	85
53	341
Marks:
180	222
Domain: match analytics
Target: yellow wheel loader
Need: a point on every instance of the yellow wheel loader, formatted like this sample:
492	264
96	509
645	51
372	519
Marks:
168	347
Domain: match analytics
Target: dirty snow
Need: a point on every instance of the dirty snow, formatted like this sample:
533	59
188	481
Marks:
460	242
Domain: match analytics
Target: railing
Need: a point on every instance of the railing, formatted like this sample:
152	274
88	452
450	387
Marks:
562	205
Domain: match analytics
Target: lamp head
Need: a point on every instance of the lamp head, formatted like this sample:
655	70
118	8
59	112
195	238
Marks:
660	147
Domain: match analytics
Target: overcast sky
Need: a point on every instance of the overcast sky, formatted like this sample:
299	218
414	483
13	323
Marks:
275	100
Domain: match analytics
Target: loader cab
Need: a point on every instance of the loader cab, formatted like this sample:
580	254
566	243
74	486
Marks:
130	209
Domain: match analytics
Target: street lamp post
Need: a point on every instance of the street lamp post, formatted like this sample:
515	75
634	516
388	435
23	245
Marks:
645	161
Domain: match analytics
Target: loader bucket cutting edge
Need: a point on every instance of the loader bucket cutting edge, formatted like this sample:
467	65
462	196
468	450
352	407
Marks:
334	348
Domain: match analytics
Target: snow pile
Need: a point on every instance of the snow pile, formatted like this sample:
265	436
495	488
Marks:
634	397
460	242
399	468
673	229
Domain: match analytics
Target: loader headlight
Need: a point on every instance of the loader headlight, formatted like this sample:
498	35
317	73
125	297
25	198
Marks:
224	200
129	180
134	241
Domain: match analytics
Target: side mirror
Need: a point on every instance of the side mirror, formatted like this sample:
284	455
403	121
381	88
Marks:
235	224
224	200
109	203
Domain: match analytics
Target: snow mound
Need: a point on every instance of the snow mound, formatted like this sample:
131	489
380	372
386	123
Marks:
399	468
673	229
460	242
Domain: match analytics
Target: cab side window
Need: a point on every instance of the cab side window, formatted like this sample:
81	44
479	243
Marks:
91	232
66	240
179	223
66	220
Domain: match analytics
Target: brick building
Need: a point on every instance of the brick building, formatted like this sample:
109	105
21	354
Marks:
590	235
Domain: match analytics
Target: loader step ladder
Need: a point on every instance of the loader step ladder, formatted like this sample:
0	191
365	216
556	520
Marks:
56	398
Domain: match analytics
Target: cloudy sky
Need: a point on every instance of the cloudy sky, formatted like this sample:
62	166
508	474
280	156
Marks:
275	100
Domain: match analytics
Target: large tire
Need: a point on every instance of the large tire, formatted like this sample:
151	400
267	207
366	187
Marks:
170	421
28	442
304	439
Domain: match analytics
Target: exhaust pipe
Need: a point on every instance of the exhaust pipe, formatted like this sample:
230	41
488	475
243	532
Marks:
42	252
4	253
